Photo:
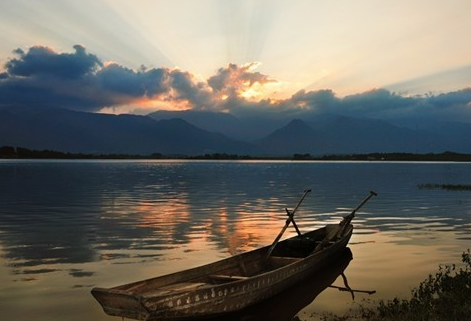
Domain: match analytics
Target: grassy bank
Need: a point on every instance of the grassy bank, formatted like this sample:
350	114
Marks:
445	296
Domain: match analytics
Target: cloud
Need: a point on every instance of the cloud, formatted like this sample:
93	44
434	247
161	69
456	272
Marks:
41	77
234	80
378	104
41	61
318	101
119	80
381	103
185	87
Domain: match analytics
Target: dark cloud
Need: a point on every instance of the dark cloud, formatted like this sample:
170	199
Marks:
453	99
157	82
119	80
46	91
79	80
381	103
375	103
186	87
42	77
452	106
40	61
318	101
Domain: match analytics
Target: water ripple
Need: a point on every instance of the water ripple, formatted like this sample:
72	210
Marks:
99	220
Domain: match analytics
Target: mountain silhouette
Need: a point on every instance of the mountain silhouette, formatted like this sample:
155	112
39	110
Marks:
72	131
81	132
296	137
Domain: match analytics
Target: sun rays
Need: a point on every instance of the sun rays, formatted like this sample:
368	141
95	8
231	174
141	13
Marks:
345	47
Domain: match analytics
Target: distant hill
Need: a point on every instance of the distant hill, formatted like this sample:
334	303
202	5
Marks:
246	129
296	137
350	135
452	136
340	135
65	130
347	135
211	121
209	132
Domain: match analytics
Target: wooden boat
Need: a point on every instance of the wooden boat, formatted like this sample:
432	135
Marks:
287	304
233	283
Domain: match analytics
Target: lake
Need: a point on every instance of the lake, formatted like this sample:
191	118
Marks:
67	226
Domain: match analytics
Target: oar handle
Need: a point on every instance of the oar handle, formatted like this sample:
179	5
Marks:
372	193
307	191
343	225
347	219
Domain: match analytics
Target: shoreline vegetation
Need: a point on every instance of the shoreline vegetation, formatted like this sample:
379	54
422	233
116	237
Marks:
440	297
10	152
449	187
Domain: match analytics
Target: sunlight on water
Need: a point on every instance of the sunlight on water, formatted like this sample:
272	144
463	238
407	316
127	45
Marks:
66	226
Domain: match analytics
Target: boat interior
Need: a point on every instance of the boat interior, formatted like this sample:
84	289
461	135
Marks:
233	269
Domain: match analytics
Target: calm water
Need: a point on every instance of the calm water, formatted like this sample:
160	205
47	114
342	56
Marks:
66	226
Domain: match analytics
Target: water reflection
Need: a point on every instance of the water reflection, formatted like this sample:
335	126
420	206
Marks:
103	222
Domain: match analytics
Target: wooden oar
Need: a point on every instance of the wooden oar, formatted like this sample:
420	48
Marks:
352	214
342	225
347	219
288	221
347	288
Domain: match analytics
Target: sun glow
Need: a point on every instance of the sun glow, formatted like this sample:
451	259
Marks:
145	106
162	104
251	93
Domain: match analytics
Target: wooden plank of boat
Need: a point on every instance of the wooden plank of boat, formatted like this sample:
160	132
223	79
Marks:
286	304
227	285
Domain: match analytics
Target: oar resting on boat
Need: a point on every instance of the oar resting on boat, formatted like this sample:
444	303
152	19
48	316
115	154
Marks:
232	283
343	224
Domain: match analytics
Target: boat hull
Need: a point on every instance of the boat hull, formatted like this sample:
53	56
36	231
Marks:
196	297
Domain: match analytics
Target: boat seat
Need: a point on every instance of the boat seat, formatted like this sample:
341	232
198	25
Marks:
279	261
174	289
227	278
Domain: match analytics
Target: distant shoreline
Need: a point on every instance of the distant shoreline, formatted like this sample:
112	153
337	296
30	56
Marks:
9	152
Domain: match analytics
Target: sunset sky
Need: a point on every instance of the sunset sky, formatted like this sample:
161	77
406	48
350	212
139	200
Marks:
206	52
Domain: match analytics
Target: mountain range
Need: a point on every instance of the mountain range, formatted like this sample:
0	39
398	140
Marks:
332	134
199	132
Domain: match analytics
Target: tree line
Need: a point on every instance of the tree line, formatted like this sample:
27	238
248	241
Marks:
11	152
25	153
